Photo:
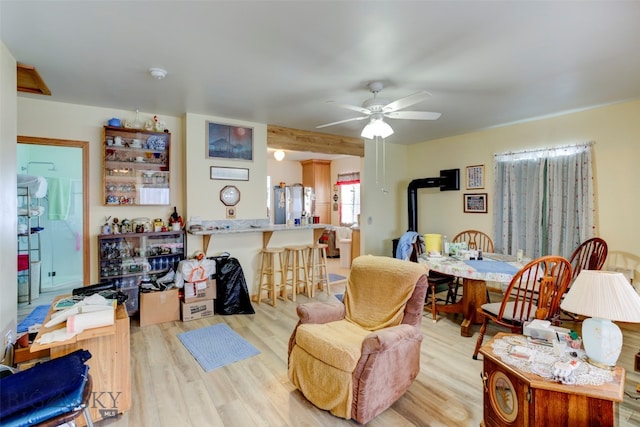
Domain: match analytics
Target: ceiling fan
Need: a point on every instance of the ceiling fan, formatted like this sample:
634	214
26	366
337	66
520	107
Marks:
376	109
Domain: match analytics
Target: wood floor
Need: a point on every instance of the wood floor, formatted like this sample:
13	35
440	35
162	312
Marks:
170	388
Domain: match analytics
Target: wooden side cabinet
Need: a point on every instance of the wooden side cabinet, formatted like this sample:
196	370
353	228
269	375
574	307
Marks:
109	366
317	174
515	398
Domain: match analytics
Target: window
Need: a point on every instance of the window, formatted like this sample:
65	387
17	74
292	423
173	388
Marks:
349	185
544	200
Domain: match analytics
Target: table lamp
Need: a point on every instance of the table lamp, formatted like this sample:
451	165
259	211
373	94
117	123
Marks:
603	296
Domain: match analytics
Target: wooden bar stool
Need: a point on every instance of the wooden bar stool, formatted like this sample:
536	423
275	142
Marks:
318	267
271	265
295	261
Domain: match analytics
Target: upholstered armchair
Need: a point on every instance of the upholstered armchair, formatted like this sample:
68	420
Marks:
356	359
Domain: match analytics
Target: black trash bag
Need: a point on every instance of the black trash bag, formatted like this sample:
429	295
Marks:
231	287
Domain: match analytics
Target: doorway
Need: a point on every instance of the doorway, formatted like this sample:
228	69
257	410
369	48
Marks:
64	258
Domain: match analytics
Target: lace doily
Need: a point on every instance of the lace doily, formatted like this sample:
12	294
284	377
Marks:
538	359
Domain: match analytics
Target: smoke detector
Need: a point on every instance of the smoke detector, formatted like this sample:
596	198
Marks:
158	73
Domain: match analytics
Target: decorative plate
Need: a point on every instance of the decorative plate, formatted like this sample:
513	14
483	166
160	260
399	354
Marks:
155	143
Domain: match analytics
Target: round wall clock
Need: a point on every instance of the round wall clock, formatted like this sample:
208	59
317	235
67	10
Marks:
230	195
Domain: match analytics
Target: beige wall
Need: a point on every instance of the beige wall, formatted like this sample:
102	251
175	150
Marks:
47	119
384	214
616	154
8	195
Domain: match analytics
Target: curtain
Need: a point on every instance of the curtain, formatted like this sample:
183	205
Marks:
348	178
544	201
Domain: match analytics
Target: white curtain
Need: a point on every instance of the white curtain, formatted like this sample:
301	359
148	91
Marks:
544	201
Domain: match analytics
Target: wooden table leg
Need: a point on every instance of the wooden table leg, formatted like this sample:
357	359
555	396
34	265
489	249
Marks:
474	294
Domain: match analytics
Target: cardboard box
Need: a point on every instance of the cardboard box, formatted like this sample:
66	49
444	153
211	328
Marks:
199	291
197	310
159	307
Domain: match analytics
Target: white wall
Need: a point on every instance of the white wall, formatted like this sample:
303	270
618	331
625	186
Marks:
8	195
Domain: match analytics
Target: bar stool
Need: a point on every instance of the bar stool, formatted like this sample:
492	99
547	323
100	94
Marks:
295	262
318	267
271	265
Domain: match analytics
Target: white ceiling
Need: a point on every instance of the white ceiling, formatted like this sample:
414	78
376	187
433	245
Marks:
486	63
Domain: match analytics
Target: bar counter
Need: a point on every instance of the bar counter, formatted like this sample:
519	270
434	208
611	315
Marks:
267	230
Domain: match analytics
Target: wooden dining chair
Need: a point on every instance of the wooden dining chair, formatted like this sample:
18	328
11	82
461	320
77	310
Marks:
589	255
533	293
475	240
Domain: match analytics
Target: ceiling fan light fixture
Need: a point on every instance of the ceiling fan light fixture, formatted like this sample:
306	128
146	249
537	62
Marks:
158	73
376	127
278	155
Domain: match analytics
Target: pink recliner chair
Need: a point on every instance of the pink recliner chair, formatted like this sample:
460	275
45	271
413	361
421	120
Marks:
356	359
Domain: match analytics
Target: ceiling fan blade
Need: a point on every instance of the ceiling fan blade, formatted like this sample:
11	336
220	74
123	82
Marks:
351	107
405	102
353	119
413	115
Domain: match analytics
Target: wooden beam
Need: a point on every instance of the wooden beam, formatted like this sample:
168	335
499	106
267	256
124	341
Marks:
314	142
29	80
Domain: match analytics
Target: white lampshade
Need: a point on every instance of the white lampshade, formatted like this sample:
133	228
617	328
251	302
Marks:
604	296
278	155
376	127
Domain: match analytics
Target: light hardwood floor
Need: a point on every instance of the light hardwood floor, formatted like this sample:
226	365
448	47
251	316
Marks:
171	389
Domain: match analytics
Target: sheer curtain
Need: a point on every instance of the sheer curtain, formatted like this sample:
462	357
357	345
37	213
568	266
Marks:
544	201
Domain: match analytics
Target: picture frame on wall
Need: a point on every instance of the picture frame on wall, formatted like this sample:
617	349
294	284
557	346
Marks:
229	142
230	174
475	203
475	177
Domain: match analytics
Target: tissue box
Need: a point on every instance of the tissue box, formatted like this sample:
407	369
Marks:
542	329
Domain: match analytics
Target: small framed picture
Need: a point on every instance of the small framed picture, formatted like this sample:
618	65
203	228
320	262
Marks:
475	177
231	212
475	203
227	173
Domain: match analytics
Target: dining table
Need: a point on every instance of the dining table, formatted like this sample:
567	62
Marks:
474	274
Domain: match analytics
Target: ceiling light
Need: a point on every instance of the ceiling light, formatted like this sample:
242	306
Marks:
376	127
278	155
158	73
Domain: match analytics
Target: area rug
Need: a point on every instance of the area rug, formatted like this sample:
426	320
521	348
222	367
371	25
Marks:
336	277
36	316
216	346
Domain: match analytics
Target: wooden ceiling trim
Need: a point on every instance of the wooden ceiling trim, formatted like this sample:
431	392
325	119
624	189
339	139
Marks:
314	142
29	80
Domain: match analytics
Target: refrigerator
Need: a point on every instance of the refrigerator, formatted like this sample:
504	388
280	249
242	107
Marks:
290	202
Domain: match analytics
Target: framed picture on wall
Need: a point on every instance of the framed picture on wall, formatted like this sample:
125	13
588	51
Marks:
475	203
475	177
229	142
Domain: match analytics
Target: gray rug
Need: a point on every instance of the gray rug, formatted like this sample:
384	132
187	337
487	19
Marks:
336	277
216	346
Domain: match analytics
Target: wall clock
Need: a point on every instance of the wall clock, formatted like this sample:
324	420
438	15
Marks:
230	195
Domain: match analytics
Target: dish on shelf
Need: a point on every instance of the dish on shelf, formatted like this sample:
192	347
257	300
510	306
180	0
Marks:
154	142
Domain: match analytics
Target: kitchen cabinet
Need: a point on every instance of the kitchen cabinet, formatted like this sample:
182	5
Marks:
317	174
136	167
129	259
